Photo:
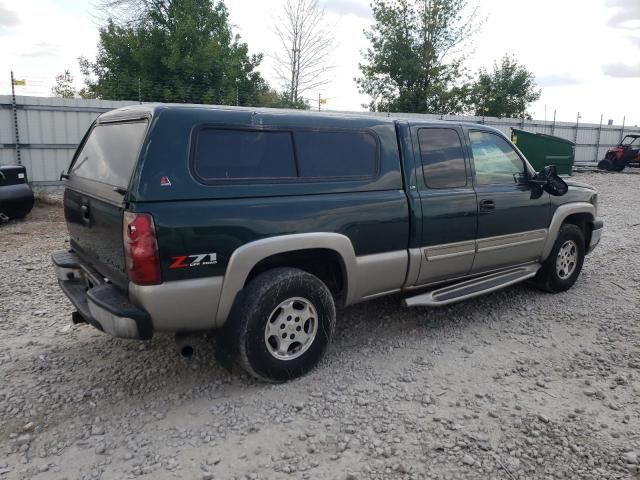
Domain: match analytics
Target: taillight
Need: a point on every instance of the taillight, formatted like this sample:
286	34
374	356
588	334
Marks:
141	249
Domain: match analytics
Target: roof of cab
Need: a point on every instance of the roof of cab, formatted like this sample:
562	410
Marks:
136	112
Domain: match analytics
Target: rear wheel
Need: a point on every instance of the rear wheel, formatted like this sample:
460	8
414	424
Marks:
561	269
282	324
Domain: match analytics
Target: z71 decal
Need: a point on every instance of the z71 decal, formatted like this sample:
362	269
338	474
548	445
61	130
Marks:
186	261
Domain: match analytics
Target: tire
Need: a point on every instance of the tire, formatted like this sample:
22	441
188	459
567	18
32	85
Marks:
605	165
618	168
278	301
558	272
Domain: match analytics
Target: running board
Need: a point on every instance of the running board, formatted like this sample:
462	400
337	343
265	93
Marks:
472	288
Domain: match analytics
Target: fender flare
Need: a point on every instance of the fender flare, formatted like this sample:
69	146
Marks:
559	216
244	258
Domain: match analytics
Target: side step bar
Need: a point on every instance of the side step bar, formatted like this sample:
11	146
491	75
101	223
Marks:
472	288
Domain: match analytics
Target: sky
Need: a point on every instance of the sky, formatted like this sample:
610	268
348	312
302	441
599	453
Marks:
585	54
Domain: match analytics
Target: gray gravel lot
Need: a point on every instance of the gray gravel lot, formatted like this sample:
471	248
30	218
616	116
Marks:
514	385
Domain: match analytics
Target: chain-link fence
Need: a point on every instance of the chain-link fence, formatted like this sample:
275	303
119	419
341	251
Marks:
42	132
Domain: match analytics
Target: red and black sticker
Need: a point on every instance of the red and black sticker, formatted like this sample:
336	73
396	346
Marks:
187	261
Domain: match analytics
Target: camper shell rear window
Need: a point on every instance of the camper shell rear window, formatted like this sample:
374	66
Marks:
110	153
236	154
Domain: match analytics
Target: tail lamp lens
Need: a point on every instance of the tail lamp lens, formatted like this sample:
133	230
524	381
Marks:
141	249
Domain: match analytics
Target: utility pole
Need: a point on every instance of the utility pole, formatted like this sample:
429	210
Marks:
575	139
319	101
139	91
553	125
237	92
624	119
14	107
599	135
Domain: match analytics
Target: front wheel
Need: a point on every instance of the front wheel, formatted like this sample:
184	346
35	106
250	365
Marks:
606	165
560	271
282	324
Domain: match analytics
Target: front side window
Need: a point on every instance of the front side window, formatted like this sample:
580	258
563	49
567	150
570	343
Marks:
442	158
232	154
496	162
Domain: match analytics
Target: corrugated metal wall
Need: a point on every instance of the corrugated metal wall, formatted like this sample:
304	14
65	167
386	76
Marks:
592	140
50	129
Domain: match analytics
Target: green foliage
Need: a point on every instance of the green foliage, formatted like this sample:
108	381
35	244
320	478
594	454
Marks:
413	64
274	99
506	91
178	51
64	86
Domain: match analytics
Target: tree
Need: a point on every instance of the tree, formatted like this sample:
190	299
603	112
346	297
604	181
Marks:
507	91
274	99
415	61
306	44
64	86
175	51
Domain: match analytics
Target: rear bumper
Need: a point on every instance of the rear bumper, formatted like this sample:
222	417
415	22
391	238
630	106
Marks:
100	303
596	234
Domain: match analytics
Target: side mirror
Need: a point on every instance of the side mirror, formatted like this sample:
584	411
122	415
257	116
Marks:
549	180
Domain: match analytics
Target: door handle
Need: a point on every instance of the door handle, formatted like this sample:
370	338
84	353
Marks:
86	215
487	205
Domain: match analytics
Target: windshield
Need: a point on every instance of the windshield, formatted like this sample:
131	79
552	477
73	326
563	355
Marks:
110	153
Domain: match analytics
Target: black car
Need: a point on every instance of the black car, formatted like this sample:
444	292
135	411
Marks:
16	196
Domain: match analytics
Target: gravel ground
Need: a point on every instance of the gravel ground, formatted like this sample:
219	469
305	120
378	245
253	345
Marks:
514	385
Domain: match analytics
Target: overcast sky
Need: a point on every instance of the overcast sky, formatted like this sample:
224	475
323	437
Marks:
585	53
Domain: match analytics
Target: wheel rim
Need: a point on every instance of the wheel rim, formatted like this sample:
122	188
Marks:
291	328
567	259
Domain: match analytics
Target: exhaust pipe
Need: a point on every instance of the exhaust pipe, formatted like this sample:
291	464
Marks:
184	344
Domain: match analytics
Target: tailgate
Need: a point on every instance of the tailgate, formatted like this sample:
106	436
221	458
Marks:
95	193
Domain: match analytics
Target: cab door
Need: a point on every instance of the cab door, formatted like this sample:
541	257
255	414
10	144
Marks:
448	203
513	214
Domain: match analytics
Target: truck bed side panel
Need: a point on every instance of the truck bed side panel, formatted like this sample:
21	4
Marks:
376	222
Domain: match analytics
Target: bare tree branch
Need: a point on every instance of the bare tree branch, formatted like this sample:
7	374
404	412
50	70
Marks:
306	48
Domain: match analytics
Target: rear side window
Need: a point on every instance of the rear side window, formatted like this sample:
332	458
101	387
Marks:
442	158
110	153
224	154
335	154
228	154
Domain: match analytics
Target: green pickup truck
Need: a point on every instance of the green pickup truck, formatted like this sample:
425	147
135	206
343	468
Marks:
258	223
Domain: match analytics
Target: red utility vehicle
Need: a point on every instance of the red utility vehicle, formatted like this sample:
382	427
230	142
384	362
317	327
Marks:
627	154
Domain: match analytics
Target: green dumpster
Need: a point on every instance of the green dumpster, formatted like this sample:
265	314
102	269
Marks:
542	150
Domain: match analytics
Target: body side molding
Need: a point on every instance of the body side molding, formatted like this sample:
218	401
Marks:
488	244
182	305
561	213
378	274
